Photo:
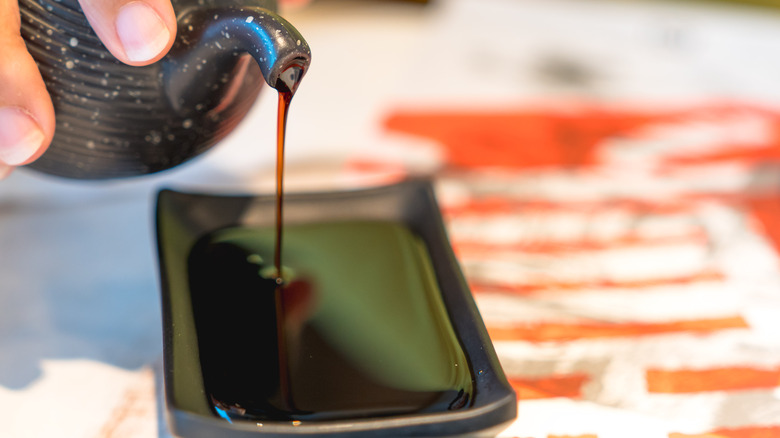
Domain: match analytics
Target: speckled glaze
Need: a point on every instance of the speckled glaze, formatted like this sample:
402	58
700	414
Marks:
115	121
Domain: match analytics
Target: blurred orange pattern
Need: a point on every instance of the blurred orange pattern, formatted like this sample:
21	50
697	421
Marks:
640	240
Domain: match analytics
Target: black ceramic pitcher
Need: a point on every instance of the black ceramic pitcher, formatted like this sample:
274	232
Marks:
115	120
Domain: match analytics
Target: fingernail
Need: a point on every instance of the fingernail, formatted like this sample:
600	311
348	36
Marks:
20	136
142	32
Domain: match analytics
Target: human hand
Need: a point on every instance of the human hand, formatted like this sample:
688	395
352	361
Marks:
137	32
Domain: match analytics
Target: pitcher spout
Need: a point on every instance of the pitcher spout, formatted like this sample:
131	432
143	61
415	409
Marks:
199	69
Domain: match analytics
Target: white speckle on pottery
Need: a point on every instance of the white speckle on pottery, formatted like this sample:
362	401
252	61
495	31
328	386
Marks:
69	65
153	137
298	43
91	144
219	46
187	124
49	32
250	19
104	82
74	42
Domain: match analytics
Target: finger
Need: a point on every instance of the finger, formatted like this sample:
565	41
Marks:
293	4
26	112
137	32
4	171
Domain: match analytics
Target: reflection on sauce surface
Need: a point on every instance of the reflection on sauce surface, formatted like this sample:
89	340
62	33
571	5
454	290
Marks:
364	329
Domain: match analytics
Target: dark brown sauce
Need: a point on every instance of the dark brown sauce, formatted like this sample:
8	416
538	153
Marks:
363	343
281	128
286	85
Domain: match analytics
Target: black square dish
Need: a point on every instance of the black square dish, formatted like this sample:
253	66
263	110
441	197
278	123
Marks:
375	334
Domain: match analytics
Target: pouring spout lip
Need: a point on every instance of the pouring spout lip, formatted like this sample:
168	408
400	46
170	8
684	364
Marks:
212	39
287	73
291	52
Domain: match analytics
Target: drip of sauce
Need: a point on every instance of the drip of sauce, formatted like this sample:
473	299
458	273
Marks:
286	86
281	128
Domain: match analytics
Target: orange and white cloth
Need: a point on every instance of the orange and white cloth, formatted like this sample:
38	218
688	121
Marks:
626	262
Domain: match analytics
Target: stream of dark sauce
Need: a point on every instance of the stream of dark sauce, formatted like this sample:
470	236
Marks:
286	86
281	128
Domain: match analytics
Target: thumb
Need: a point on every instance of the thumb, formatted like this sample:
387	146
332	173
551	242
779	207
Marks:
136	32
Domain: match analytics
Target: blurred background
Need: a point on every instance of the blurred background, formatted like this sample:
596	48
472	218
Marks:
608	172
